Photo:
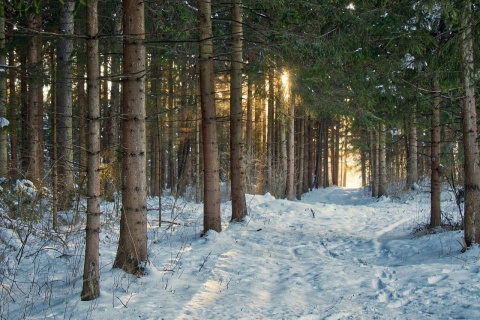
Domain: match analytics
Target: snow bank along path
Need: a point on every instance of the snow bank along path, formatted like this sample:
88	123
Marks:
334	255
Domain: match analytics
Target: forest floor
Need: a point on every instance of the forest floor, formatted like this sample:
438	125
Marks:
336	254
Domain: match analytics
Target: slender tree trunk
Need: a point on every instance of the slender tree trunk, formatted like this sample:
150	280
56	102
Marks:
237	170
249	138
35	102
172	177
337	154
319	157
63	101
470	144
198	186
301	155
54	154
374	156
382	164
270	128
305	155
436	169
412	155
211	205
260	142
326	180
25	120
311	151
13	115
291	148
333	154
281	178
3	97
81	112
91	269
363	161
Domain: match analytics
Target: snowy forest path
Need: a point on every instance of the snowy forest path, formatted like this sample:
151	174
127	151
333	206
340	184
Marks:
278	260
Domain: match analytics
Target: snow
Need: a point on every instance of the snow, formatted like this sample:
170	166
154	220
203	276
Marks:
336	254
4	122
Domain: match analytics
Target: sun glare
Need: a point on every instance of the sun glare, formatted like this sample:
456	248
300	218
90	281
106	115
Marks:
286	84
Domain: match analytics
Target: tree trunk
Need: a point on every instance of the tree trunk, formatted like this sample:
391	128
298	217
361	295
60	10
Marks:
25	120
363	162
237	170
337	154
249	142
82	112
211	180
334	154
270	128
291	148
382	164
412	154
374	162
307	175
63	101
132	244
54	151
198	185
91	270
301	155
281	173
470	146
344	159
35	102
436	169
13	115
326	180
171	132
3	97
311	151
319	157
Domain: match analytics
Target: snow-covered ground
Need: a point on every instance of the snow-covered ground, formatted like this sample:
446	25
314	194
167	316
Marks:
337	254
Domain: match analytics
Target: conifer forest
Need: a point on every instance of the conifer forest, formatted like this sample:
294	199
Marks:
139	106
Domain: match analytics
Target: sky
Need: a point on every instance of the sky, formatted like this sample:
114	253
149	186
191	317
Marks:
335	254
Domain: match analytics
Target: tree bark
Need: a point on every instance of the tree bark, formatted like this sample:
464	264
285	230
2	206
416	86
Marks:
3	97
237	170
319	157
374	162
211	204
91	270
63	101
35	102
24	115
281	142
249	142
291	148
326	180
382	164
412	154
311	153
132	244
436	169
81	111
470	146
301	155
13	115
363	162
270	128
